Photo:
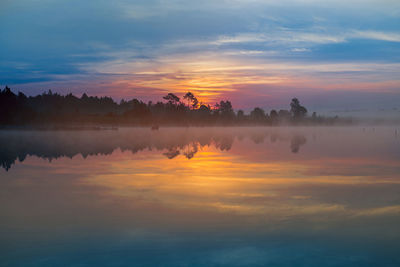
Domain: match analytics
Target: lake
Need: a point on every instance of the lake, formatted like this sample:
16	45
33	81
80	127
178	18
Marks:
223	196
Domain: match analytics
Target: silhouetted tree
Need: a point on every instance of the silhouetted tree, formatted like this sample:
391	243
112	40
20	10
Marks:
273	116
284	115
192	100
203	113
240	115
172	99
257	114
225	111
297	110
53	108
138	111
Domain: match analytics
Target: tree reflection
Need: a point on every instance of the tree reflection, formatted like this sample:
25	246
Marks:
296	142
172	153
190	150
172	142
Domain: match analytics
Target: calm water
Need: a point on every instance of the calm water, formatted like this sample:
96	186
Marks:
201	197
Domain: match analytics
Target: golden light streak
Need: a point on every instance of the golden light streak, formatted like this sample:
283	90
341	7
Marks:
230	184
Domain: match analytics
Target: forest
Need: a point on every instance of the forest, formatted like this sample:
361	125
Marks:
55	109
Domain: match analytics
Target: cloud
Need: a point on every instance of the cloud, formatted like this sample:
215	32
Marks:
292	38
374	35
216	48
300	50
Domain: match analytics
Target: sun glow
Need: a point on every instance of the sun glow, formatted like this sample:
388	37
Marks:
232	183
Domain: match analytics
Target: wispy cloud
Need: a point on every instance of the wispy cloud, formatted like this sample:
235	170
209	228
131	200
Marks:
286	37
375	35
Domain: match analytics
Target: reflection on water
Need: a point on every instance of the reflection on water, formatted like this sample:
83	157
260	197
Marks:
17	145
200	197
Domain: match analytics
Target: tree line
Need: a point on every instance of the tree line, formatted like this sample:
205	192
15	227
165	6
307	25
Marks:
54	108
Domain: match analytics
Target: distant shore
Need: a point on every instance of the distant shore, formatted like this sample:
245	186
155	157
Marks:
52	111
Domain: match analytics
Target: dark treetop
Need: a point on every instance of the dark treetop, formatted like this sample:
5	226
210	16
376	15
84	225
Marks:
55	109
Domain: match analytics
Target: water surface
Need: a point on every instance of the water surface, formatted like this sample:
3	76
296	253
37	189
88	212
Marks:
201	197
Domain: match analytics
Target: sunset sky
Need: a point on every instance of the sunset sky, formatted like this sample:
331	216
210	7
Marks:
332	54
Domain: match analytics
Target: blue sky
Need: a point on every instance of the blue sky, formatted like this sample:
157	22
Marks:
330	54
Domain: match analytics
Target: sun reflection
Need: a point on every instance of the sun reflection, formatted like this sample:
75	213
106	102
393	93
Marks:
227	182
136	188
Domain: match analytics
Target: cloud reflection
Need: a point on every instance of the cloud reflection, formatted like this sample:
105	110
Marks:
243	197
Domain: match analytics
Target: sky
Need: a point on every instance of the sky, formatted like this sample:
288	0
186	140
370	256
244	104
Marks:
332	54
